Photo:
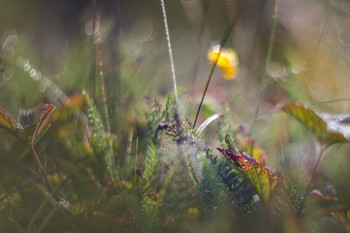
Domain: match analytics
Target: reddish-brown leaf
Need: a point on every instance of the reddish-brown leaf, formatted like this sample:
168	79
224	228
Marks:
261	178
318	196
43	119
6	120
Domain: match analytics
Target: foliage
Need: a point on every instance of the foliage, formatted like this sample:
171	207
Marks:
262	179
326	132
63	170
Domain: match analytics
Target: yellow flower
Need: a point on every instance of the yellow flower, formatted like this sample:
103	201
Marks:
227	62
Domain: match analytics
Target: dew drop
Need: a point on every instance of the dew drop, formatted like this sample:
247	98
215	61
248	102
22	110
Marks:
42	88
32	73
9	42
275	70
38	75
26	65
89	27
296	69
2	80
47	82
216	48
8	73
141	31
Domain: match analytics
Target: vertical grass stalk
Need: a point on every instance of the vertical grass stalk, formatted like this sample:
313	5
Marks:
199	44
267	63
94	49
169	49
313	175
222	44
48	184
103	79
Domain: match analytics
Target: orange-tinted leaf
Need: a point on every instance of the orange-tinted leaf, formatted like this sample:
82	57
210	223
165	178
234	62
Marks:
321	205
260	177
249	146
6	120
327	130
317	196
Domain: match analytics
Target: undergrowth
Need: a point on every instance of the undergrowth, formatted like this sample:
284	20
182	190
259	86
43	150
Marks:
97	161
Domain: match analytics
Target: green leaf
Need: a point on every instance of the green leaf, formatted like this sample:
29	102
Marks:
6	120
100	142
261	178
328	130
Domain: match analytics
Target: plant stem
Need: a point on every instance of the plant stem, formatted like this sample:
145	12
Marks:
199	45
31	146
103	79
26	167
268	59
169	49
313	175
94	49
222	44
329	101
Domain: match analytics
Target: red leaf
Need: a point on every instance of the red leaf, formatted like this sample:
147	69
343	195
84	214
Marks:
43	119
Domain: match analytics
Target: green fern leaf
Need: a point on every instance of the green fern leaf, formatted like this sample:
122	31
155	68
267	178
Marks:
100	142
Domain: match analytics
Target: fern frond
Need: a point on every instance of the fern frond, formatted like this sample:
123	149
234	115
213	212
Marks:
151	162
100	142
89	205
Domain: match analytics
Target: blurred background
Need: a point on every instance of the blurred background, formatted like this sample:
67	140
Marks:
48	50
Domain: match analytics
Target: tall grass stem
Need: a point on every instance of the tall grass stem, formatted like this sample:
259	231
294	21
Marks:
222	44
169	49
199	44
103	79
94	49
267	63
312	178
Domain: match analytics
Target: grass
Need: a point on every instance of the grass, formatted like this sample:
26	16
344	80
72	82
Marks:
120	152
